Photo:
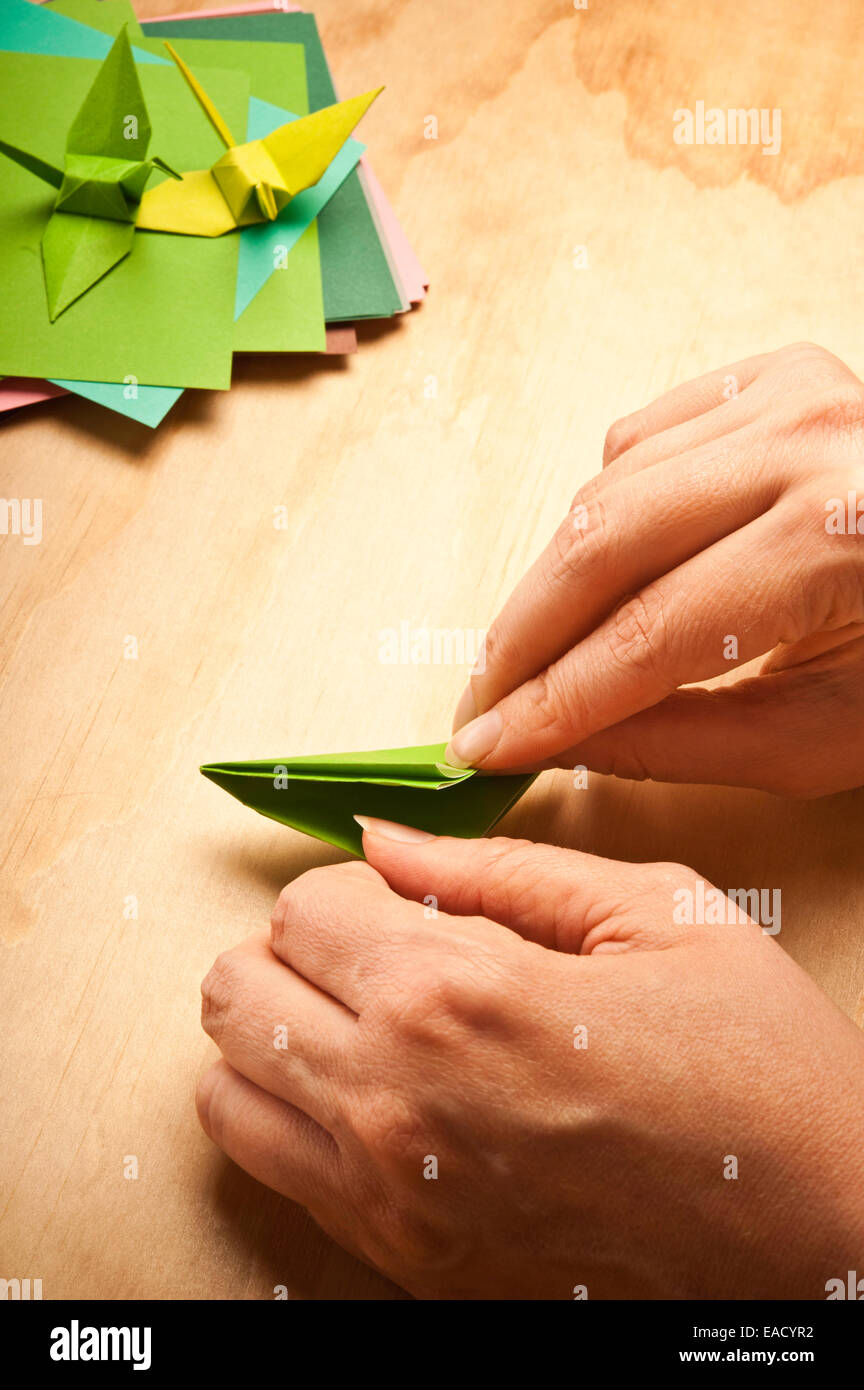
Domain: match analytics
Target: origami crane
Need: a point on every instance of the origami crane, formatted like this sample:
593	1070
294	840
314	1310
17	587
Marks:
321	795
251	182
104	174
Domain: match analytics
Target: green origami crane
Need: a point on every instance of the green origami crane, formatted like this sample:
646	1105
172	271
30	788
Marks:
414	786
100	186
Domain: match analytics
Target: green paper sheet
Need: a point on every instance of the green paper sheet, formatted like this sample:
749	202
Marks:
358	283
107	15
147	404
414	786
30	28
164	316
287	314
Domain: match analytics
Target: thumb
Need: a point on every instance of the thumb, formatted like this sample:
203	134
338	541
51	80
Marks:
792	732
559	898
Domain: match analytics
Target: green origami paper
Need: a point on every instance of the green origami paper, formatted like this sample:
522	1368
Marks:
107	15
101	183
414	786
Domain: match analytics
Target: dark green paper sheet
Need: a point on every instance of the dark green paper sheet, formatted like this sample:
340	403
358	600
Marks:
413	786
165	315
357	279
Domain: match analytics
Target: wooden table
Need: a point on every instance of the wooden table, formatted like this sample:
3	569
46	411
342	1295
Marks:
420	478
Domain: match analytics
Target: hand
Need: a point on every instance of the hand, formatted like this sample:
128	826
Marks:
433	1111
710	538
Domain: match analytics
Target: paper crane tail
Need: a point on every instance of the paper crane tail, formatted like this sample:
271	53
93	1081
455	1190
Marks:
47	172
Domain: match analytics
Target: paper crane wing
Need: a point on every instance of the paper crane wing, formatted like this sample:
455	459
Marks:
413	786
252	182
113	120
77	251
303	150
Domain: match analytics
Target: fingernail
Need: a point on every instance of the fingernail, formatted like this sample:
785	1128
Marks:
471	744
391	830
466	708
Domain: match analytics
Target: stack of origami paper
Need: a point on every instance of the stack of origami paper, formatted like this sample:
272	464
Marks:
172	193
176	191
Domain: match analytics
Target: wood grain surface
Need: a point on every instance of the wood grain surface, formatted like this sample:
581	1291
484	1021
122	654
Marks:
419	479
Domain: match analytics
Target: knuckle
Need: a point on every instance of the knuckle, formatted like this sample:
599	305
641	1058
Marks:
387	1126
576	548
500	651
637	635
668	872
420	1244
587	493
809	363
435	998
298	901
843	405
802	349
395	1138
508	866
209	1104
304	897
218	993
295	895
620	436
837	406
627	762
554	706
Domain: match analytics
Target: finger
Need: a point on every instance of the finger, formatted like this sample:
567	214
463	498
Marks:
682	403
635	532
343	927
726	418
674	632
559	898
277	1029
792	733
813	645
272	1141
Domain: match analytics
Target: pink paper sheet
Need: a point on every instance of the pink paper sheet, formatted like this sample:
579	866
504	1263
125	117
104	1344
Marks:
16	391
414	279
258	7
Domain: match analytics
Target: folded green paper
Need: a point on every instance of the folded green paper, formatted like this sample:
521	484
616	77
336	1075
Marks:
413	786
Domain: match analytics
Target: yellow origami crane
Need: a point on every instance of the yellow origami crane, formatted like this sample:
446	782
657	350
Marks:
251	182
